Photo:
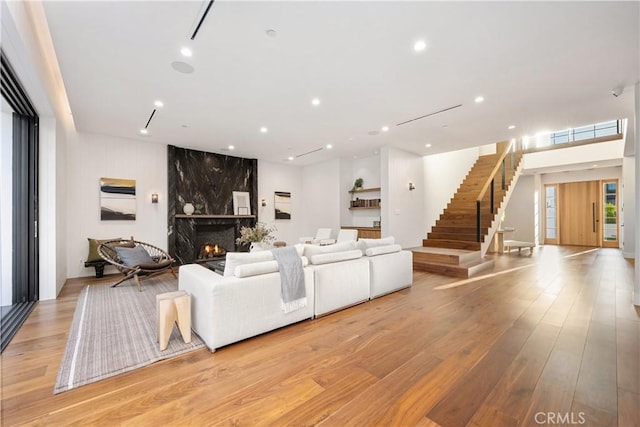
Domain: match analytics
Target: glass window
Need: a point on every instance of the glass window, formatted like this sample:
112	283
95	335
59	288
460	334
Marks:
551	228
610	214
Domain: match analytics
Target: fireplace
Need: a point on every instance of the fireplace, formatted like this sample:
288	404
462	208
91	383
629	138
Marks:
193	234
212	241
211	251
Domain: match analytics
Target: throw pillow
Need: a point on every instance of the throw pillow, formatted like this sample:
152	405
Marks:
132	257
365	244
235	259
381	250
93	248
311	250
331	257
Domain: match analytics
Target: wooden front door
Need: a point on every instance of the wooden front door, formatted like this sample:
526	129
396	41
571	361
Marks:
579	213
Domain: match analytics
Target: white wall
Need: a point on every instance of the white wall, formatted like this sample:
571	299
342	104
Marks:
91	157
520	212
628	205
6	207
33	59
636	125
402	210
321	186
443	175
274	177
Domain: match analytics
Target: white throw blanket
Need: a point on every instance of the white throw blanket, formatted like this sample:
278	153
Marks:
294	295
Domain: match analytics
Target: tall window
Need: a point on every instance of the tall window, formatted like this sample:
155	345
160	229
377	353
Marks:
20	243
551	214
610	213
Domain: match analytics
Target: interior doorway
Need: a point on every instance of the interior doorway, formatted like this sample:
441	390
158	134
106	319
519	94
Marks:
582	213
579	213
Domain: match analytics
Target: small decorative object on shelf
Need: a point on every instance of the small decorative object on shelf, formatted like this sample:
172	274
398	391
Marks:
188	209
357	184
260	233
365	203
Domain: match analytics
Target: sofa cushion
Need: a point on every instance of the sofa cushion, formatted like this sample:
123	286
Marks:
311	250
257	268
381	250
329	257
235	259
93	248
371	243
133	256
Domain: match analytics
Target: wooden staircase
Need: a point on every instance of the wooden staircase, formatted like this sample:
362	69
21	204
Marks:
452	247
450	262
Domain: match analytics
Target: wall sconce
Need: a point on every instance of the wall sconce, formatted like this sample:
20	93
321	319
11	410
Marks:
263	202
411	186
154	198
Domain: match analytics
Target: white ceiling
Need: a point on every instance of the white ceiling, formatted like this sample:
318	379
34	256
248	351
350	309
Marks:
541	66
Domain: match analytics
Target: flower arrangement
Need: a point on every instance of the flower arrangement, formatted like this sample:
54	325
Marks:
261	232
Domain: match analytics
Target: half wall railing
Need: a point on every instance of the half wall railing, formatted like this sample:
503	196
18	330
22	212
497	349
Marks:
507	162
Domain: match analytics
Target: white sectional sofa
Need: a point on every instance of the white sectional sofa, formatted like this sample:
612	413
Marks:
390	268
340	274
246	301
227	309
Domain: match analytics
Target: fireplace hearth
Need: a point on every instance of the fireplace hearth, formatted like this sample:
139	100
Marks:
211	251
195	234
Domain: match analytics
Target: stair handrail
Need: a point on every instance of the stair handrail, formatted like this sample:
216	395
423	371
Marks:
489	184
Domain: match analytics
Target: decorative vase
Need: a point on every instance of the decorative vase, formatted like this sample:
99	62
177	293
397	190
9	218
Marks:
256	246
188	208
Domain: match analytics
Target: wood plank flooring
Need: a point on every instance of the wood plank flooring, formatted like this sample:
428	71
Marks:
547	339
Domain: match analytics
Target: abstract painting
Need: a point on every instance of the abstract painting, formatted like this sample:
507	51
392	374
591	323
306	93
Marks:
282	205
117	199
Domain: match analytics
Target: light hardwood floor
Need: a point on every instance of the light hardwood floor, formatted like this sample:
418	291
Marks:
550	339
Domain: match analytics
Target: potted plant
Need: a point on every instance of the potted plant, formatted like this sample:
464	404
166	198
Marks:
357	184
257	236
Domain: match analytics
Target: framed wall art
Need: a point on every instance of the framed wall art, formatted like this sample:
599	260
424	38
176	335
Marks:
241	203
282	205
117	199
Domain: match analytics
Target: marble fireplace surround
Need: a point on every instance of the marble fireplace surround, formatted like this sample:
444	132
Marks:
208	180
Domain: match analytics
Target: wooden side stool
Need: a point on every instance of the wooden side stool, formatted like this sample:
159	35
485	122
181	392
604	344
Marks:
172	308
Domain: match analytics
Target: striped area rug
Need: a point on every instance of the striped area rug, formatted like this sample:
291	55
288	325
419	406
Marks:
114	331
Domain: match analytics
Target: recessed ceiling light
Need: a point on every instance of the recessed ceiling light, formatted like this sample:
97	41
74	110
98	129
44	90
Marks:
263	129
185	51
329	146
479	99
271	33
427	145
385	128
231	147
315	101
290	158
420	45
159	104
144	131
512	126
